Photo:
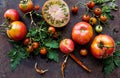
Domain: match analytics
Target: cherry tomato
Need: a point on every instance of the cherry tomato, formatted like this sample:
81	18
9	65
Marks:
98	28
35	45
36	7
83	52
103	18
12	15
102	46
43	51
74	9
93	21
51	30
26	41
97	11
82	33
55	35
85	18
29	48
17	31
90	4
26	5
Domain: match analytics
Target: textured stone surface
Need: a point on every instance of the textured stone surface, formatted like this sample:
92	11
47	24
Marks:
26	68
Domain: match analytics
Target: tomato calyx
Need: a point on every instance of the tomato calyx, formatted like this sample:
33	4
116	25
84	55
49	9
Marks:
23	1
101	46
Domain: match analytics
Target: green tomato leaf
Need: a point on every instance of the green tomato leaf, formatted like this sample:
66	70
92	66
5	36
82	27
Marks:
117	62
52	44
117	53
113	6
109	68
53	55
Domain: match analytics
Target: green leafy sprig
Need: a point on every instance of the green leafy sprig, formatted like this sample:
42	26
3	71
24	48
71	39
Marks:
38	33
107	7
110	63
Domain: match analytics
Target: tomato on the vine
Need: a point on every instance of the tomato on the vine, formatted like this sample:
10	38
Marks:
29	48
98	28
97	11
51	30
102	46
11	14
103	18
17	31
93	21
43	51
85	18
26	41
74	9
35	45
90	4
26	5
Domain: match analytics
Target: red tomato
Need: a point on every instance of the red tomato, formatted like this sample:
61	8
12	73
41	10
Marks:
26	5
85	18
35	45
66	46
17	31
82	33
36	7
43	51
26	41
102	46
51	30
90	4
97	11
74	9
11	14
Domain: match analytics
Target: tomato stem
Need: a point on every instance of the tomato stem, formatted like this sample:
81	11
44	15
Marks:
63	66
79	62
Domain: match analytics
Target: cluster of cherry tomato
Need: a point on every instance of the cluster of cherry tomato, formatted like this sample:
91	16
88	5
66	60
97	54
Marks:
34	45
31	46
95	19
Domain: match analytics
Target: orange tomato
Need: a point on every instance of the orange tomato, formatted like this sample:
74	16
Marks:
17	31
102	46
43	51
83	52
26	5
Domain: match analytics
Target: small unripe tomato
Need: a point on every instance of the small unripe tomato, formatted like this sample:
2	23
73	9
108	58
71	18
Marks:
51	30
93	21
90	4
103	18
43	51
29	48
85	18
97	11
83	52
98	28
74	9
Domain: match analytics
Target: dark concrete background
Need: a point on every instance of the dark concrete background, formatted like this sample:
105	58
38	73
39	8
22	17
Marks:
73	70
